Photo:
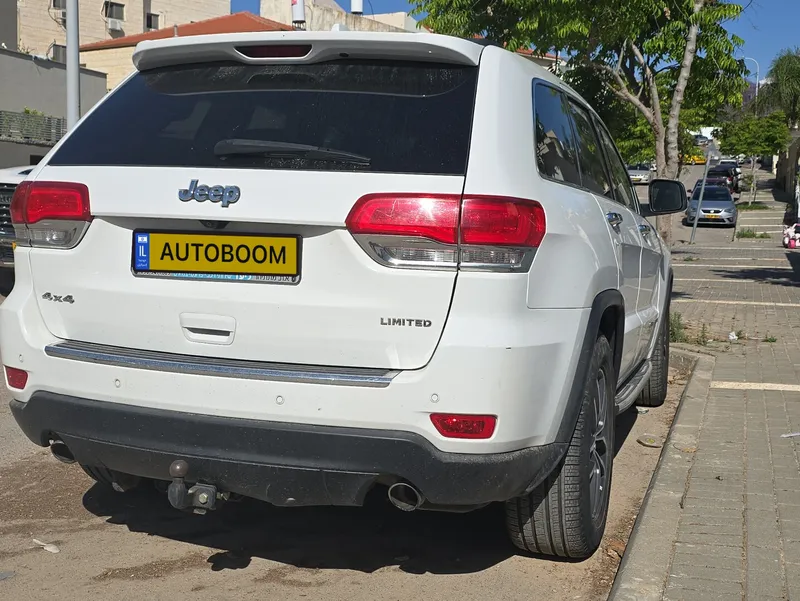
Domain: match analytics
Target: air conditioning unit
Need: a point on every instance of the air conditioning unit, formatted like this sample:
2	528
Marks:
60	15
114	25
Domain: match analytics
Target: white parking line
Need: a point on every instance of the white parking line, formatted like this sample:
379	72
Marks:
726	302
789	267
755	386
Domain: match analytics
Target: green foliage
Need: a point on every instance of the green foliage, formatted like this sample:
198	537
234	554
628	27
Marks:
30	111
677	331
634	49
754	136
749	233
783	90
703	336
753	206
770	339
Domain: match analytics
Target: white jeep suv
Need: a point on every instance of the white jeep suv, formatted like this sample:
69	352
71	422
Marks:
301	266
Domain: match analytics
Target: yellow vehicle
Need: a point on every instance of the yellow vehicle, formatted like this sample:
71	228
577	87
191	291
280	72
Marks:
694	159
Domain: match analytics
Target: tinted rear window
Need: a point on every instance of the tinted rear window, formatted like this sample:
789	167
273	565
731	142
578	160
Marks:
405	117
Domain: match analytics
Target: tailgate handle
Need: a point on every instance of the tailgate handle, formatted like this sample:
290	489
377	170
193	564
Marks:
208	329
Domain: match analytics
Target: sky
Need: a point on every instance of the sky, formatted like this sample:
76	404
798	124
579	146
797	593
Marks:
767	26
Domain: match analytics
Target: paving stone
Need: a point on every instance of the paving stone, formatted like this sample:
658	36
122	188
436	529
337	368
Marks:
707	560
791	553
708	550
730	540
700	584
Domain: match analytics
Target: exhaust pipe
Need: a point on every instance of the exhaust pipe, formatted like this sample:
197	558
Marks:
405	497
61	452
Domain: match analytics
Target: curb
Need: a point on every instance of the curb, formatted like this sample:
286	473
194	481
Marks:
645	566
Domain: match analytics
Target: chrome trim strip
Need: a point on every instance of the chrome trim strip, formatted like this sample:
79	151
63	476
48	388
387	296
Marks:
225	368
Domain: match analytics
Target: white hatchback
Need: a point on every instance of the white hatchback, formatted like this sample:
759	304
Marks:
300	266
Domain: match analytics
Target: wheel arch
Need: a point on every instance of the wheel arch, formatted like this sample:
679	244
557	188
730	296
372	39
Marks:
607	316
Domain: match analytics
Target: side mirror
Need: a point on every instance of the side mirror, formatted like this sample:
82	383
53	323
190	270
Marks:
667	196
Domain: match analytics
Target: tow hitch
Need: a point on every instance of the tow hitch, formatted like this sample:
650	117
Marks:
200	497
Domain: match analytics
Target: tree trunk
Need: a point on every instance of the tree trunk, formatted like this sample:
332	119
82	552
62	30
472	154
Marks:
753	181
673	161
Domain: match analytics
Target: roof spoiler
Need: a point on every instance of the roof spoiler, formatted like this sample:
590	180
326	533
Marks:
323	46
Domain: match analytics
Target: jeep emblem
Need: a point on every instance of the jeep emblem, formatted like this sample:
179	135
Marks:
225	195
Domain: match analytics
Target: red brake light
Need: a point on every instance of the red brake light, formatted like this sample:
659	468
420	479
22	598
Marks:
433	216
16	378
500	221
35	201
464	426
277	51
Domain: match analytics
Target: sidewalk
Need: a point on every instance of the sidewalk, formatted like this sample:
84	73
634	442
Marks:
722	517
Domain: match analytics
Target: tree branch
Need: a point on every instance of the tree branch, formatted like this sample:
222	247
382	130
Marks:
650	79
624	92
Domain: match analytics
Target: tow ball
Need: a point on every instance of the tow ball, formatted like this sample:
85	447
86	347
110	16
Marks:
200	497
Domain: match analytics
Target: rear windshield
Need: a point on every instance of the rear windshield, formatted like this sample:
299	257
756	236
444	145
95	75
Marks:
378	116
712	193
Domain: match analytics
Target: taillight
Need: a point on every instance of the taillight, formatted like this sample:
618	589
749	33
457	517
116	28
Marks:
445	231
464	426
50	214
16	378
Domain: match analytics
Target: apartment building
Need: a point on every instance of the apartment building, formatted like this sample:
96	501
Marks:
41	24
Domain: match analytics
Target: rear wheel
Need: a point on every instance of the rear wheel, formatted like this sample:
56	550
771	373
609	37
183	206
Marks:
566	514
116	480
6	281
654	392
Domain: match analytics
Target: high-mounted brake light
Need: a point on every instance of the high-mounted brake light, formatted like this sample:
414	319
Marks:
50	214
275	51
464	426
445	231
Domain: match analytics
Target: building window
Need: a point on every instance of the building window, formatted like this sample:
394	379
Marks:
60	4
59	53
151	21
114	10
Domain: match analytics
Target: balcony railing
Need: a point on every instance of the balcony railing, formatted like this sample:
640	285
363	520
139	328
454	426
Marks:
26	128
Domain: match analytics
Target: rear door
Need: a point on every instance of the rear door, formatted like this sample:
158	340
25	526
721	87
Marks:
610	185
621	208
219	194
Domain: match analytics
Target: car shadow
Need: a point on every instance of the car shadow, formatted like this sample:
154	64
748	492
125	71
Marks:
768	275
363	539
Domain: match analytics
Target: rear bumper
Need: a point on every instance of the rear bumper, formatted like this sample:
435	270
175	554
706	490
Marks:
282	463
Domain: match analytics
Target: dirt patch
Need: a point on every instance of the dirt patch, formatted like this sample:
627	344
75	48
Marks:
134	544
155	569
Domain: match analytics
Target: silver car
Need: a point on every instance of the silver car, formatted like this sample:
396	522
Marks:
717	208
639	174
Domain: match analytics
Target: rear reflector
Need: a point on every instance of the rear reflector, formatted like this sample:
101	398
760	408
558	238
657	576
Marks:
464	426
276	51
16	378
36	201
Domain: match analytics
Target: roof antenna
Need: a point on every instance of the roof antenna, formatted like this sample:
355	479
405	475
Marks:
299	14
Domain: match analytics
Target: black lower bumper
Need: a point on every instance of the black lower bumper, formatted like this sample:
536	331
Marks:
283	464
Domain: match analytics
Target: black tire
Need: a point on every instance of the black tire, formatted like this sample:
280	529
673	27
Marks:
654	392
116	480
565	515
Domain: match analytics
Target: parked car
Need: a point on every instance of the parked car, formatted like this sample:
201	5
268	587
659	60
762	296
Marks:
358	290
717	207
725	172
9	179
710	181
639	173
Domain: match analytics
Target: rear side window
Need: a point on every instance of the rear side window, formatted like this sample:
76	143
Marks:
378	116
590	154
556	149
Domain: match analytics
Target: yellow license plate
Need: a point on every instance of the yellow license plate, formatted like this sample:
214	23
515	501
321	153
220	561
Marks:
712	216
217	256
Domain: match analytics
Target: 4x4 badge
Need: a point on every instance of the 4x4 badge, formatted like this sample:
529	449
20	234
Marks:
225	195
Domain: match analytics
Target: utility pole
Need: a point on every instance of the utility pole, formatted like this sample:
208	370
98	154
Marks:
758	79
699	200
73	65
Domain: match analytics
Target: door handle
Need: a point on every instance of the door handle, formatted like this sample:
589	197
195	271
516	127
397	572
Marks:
614	219
645	229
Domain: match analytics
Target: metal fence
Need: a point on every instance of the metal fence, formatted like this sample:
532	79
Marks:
28	128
